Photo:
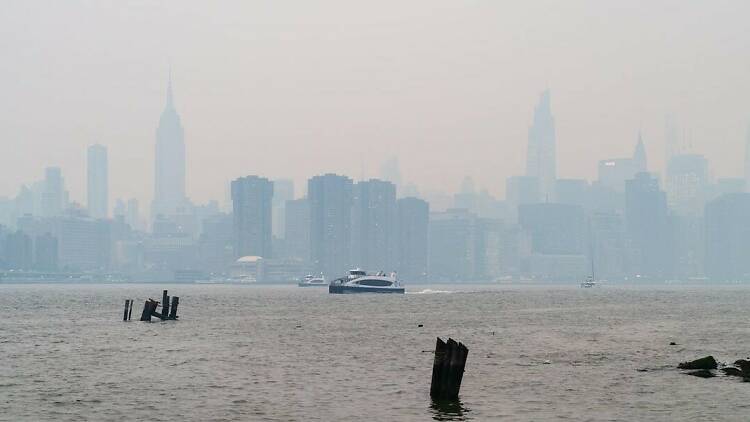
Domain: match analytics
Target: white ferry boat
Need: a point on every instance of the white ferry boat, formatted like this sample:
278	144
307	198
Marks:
359	281
312	281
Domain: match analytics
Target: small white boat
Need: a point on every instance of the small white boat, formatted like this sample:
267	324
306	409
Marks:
589	282
359	281
312	281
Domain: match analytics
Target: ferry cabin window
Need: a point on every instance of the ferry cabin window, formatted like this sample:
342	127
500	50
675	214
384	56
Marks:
379	283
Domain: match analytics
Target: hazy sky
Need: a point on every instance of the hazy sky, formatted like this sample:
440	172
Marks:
296	88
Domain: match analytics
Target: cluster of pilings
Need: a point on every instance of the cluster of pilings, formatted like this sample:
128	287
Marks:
168	310
448	369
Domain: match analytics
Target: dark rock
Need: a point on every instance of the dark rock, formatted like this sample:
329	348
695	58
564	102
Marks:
731	371
671	343
420	325
744	366
702	373
703	363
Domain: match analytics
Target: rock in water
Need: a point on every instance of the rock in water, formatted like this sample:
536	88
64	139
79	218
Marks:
702	373
703	363
744	366
732	371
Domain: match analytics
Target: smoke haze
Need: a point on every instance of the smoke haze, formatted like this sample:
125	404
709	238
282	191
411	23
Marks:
301	88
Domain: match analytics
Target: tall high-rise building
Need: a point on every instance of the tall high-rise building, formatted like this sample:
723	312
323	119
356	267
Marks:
541	161
648	227
132	215
413	226
640	162
687	183
614	172
452	248
169	166
520	190
251	199
728	237
97	182
330	198
374	225
53	194
283	191
297	229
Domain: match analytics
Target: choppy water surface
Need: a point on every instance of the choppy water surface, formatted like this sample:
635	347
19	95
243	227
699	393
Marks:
292	354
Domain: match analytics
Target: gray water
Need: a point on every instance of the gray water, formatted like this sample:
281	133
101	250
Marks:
291	354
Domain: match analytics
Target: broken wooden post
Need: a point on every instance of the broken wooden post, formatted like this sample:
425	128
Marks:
146	314
149	308
130	311
448	369
125	313
165	305
173	311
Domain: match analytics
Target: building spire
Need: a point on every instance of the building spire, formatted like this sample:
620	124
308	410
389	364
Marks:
639	156
170	98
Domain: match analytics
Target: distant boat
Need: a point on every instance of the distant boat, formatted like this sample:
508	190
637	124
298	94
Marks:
312	281
359	281
589	282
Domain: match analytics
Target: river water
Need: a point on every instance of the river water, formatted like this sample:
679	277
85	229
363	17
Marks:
283	353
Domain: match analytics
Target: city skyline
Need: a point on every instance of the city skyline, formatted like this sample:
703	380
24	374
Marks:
244	87
541	162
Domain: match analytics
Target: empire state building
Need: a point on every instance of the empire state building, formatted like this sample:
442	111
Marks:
169	168
541	161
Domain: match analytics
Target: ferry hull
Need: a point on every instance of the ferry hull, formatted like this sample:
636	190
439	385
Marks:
363	289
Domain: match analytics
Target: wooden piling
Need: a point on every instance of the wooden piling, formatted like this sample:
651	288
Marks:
125	313
149	309
146	314
448	369
165	305
130	311
173	311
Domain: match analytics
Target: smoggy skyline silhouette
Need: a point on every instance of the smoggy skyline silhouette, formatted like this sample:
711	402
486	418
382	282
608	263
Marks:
293	91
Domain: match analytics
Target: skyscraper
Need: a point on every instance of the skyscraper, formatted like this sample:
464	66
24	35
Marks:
374	225
283	191
330	198
648	226
53	195
728	237
541	161
98	182
687	182
251	199
614	172
520	190
452	247
640	163
297	229
169	168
